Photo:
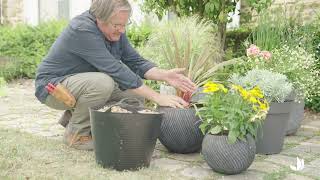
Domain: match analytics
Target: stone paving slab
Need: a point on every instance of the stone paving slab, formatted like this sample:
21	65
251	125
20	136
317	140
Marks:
254	175
282	160
198	172
313	168
20	110
264	166
297	177
305	150
169	164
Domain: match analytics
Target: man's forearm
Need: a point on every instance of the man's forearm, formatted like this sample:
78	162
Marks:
156	74
145	92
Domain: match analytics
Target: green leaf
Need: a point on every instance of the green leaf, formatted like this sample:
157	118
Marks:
232	137
215	130
203	128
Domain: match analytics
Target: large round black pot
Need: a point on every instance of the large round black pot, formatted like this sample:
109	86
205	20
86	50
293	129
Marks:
180	131
227	158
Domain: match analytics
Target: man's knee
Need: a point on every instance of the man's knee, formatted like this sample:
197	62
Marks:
102	84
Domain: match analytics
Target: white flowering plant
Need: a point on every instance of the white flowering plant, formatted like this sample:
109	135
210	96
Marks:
296	63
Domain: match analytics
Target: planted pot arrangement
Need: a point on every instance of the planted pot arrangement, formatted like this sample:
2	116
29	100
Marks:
124	134
189	43
276	88
299	67
230	117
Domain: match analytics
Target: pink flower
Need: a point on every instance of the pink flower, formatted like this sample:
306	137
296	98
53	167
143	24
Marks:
253	50
265	54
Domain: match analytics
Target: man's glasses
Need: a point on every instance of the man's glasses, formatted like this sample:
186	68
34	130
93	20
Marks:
120	26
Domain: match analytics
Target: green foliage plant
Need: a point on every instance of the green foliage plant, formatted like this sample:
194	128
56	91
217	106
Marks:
296	64
188	43
272	30
280	27
214	10
232	111
27	45
275	86
139	34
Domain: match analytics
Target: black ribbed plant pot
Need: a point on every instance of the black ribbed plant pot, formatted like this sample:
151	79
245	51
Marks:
179	131
124	141
228	158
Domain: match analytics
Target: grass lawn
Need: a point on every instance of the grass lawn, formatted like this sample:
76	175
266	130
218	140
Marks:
24	156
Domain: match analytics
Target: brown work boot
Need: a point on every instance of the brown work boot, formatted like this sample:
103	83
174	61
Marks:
77	141
65	118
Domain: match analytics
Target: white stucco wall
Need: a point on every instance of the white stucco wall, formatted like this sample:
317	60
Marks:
50	10
235	23
77	8
137	15
30	12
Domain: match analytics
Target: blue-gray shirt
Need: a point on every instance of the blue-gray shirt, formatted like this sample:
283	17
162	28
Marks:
82	47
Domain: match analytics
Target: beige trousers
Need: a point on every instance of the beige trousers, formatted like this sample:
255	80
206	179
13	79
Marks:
89	89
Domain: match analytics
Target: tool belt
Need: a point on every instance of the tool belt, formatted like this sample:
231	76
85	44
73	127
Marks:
62	94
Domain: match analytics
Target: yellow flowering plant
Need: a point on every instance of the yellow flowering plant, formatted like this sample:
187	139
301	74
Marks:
232	111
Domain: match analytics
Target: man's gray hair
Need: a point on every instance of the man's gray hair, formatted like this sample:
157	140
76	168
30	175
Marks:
104	9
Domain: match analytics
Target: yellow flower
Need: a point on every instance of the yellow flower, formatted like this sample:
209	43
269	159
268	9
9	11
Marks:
213	87
210	89
245	94
264	106
253	99
256	92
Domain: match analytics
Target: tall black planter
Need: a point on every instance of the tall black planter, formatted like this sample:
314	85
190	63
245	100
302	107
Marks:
124	141
270	136
180	131
228	158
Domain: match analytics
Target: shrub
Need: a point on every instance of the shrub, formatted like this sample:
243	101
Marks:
235	39
139	35
297	64
27	45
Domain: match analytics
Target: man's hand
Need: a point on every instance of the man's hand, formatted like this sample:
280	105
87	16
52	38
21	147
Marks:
171	101
175	78
160	99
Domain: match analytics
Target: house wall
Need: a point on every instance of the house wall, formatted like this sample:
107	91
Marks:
306	10
30	12
27	11
12	11
77	8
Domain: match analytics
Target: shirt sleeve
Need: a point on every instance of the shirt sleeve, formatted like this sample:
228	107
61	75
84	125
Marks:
91	47
130	57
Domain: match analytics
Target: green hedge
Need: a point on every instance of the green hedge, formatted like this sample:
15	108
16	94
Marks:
26	46
139	35
235	42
